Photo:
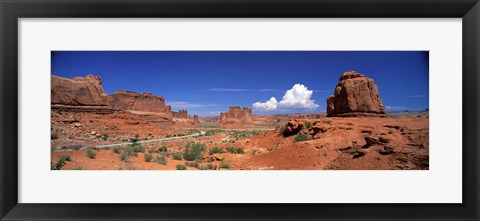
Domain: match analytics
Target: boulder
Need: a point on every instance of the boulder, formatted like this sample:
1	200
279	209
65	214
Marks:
355	96
293	127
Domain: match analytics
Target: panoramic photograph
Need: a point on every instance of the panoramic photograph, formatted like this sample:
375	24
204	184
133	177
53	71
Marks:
239	110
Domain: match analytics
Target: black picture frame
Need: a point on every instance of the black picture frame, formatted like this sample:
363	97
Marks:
12	10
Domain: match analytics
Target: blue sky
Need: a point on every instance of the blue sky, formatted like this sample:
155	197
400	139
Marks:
208	82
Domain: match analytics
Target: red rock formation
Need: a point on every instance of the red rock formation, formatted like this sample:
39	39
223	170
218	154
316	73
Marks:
236	115
78	91
195	119
87	95
355	96
180	114
127	100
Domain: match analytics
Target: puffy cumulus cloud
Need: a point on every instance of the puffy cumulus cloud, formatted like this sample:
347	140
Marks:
297	97
268	105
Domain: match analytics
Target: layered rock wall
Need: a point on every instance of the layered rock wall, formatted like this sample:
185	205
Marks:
236	115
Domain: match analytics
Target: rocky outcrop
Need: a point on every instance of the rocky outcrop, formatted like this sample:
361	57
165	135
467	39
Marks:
355	96
237	116
87	91
196	120
180	114
147	102
87	95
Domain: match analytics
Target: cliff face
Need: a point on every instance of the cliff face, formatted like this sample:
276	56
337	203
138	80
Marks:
355	96
87	95
180	114
78	91
237	116
147	102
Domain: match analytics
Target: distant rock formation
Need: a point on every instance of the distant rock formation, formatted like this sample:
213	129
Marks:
237	116
127	100
196	120
180	114
355	96
78	91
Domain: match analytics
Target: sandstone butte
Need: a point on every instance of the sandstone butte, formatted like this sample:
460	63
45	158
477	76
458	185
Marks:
236	116
87	94
180	113
355	96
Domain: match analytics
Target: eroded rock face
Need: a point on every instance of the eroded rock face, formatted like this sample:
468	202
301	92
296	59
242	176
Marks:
196	120
293	127
236	115
146	102
180	114
87	91
355	96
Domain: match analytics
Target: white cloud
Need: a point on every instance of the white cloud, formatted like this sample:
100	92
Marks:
268	105
297	97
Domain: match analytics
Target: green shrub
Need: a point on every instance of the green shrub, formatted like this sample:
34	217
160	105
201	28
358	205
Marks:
53	148
54	136
191	164
161	160
211	132
300	137
235	150
224	164
61	161
116	149
163	149
216	150
181	167
193	151
104	137
153	150
91	154
308	124
77	168
281	130
254	152
148	157
327	121
177	156
137	148
165	154
390	132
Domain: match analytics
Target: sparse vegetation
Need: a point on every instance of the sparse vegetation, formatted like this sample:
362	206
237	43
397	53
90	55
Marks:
54	136
254	152
215	150
300	137
61	162
235	150
327	121
281	130
211	132
193	151
390	132
163	149
180	167
324	154
77	168
148	157
91	154
191	164
74	147
116	149
161	160
177	156
224	164
53	148
104	137
308	124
